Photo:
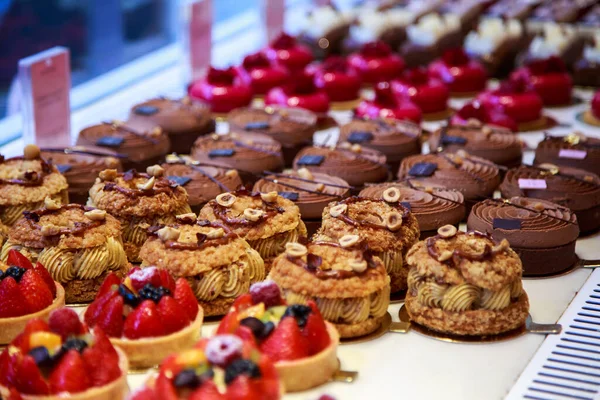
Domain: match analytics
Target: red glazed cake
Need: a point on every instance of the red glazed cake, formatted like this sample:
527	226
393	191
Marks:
295	337
464	76
61	359
376	62
222	89
301	92
476	113
148	315
286	51
223	367
429	94
549	79
340	82
387	105
262	74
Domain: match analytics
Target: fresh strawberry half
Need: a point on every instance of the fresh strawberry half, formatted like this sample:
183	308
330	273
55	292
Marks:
111	282
45	275
101	370
286	342
17	259
70	375
34	292
185	298
11	303
315	331
110	319
174	317
66	323
30	378
144	321
95	309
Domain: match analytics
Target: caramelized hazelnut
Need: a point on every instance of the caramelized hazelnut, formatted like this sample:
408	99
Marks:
168	233
189	217
226	199
393	221
108	174
320	187
349	240
269	197
338	210
51	204
31	152
356	148
391	195
96	215
503	246
215	233
358	265
50	230
155	170
445	256
231	173
252	214
149	184
447	231
304	173
295	250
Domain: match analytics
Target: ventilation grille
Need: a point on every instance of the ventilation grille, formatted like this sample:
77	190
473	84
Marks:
567	366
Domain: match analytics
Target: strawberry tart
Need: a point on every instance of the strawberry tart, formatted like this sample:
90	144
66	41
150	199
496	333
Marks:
62	359
295	337
387	105
375	63
464	76
148	314
26	292
474	113
222	89
223	367
429	94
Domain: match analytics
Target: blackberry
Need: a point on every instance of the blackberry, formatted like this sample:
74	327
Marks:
15	272
75	344
129	297
259	329
299	312
187	378
150	292
241	367
41	356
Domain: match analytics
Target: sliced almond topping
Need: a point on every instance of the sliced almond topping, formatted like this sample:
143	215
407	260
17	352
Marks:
295	250
168	233
96	215
155	170
51	204
447	231
226	199
149	184
108	175
391	195
31	152
445	256
320	187
269	197
50	230
252	214
189	217
358	265
215	233
393	221
349	240
338	210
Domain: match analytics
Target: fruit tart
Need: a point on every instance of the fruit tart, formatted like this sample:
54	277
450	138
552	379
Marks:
429	94
147	314
549	79
222	89
300	92
62	359
267	221
296	338
341	83
26	181
26	292
138	201
386	104
223	367
78	245
218	265
376	63
349	285
286	51
464	76
262	74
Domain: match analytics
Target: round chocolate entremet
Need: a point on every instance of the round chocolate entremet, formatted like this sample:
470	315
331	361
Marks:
475	177
433	207
250	153
570	151
542	233
348	284
80	165
292	127
182	120
495	144
395	139
465	284
314	191
573	188
205	183
356	167
143	148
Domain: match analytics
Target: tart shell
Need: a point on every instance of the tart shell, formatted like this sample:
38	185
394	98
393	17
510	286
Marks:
309	372
472	322
149	352
11	327
116	390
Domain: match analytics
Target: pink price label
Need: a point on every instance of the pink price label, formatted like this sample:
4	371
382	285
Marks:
573	154
274	18
200	31
532	184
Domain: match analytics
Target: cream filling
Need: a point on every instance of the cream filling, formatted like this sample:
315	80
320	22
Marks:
273	246
554	40
392	260
372	24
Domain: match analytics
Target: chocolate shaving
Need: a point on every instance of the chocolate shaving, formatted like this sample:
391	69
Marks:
313	261
68	150
201	238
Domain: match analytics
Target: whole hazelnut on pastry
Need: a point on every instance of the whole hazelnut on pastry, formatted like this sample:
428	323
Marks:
349	240
338	210
358	265
295	250
31	152
269	197
155	170
252	214
215	233
447	231
226	199
391	195
51	204
393	221
108	174
168	233
96	215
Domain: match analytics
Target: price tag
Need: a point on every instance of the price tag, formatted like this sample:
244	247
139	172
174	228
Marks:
573	154
45	80
274	18
532	184
199	37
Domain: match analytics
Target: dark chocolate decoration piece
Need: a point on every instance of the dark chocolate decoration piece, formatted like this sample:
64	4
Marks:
221	153
360	137
507	224
257	125
447	139
406	205
145	111
110	141
62	168
180	180
422	169
293	196
311	159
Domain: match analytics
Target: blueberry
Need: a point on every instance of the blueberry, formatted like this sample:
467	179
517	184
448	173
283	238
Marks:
1	274
269	327
129	297
15	272
187	378
75	344
299	312
41	356
255	325
241	367
150	292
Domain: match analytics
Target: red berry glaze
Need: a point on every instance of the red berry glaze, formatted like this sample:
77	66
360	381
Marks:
301	93
375	63
222	89
337	79
595	106
549	78
461	74
515	99
474	110
286	51
261	73
388	105
429	94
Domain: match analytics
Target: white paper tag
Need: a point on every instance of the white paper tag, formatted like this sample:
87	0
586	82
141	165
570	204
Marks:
573	154
532	184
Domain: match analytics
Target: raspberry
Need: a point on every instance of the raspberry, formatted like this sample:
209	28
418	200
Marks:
266	292
223	349
65	322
